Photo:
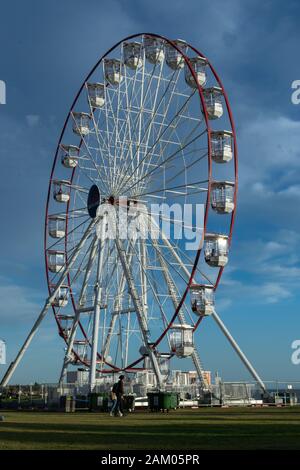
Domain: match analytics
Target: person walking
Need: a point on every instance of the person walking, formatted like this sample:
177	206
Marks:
118	390
113	397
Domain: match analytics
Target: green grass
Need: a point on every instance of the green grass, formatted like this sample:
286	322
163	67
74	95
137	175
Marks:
209	428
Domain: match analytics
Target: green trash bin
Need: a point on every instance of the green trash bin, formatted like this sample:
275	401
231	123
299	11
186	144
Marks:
129	403
98	401
65	403
73	405
163	401
82	402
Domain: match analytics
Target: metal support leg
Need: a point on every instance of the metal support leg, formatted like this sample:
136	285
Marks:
48	303
143	257
238	350
98	293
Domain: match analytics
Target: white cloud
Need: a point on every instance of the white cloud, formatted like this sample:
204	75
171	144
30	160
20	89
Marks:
293	190
18	303
264	271
32	120
268	144
273	292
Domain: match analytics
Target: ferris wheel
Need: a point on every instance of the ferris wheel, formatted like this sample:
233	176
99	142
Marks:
146	160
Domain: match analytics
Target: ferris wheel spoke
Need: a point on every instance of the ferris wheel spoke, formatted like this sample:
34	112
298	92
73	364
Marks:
116	126
173	128
98	141
74	215
189	262
138	117
174	292
106	95
140	120
149	124
110	134
72	280
128	132
71	211
83	140
147	132
93	180
77	243
148	152
80	269
185	144
62	239
69	253
167	262
187	139
154	289
126	125
87	274
190	185
78	199
174	251
184	170
167	159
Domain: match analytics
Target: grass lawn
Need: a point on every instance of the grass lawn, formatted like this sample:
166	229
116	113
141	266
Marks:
209	428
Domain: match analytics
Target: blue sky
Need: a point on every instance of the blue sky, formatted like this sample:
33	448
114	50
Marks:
47	48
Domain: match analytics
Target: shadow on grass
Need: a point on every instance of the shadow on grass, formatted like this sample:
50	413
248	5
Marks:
159	435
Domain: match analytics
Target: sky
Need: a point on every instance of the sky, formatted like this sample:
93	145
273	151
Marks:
47	48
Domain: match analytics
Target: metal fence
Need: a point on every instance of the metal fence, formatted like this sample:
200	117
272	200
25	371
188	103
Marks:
48	396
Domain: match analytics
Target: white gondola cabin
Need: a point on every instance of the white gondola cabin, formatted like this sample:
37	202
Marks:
199	65
56	260
81	123
174	58
154	49
56	226
61	298
69	155
96	94
222	197
81	349
181	340
113	71
133	54
213	101
202	299
216	249
221	146
164	364
61	190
